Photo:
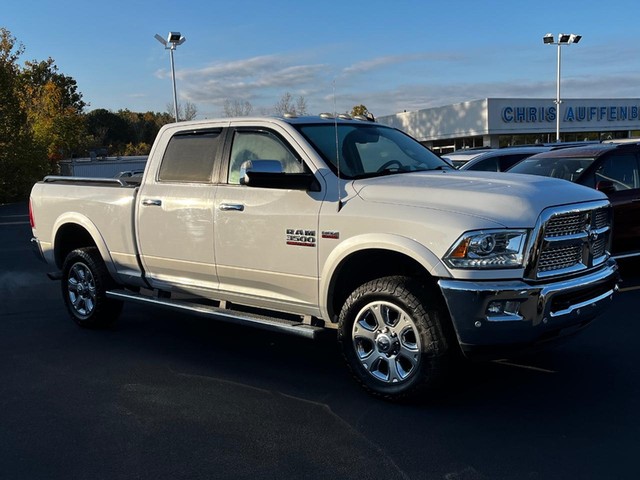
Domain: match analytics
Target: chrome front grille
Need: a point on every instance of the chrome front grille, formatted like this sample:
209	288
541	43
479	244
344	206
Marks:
570	240
559	258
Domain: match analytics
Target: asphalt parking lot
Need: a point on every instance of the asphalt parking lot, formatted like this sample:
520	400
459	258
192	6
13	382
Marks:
166	396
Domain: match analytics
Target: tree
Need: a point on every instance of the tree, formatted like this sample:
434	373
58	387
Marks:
237	108
22	162
54	108
108	129
35	75
287	105
124	132
58	129
360	110
186	111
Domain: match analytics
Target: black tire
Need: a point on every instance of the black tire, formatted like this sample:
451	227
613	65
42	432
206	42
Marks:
85	281
392	337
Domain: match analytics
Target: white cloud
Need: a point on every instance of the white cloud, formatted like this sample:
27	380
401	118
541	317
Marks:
382	62
384	87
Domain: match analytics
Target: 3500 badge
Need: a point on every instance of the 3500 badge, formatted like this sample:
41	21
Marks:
301	238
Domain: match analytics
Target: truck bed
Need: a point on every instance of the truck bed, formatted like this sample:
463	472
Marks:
103	206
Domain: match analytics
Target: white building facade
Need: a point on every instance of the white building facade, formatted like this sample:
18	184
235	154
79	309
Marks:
499	122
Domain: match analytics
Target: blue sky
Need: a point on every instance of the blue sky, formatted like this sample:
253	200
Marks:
388	55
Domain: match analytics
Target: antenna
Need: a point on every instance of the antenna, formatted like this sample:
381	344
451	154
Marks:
335	126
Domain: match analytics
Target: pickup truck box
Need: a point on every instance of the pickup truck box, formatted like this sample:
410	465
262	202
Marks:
304	225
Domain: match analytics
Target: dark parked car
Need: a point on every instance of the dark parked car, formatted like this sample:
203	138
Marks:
500	159
611	168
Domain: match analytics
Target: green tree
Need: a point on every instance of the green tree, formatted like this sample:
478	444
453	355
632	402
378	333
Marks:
124	132
36	75
54	109
109	130
22	162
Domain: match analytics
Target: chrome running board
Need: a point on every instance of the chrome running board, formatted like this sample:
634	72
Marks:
265	322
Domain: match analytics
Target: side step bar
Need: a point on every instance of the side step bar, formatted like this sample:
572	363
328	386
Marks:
239	318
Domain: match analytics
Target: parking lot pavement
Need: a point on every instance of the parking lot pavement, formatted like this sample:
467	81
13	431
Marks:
172	397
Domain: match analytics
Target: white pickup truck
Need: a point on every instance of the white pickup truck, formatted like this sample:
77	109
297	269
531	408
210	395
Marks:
308	224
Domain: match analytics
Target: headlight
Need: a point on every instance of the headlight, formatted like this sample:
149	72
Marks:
488	249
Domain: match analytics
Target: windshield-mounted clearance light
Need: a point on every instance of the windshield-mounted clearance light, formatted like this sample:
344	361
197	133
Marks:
488	249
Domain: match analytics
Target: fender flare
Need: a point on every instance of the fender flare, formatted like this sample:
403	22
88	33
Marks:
374	241
74	218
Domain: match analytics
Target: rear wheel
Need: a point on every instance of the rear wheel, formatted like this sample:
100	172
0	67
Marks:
85	281
391	334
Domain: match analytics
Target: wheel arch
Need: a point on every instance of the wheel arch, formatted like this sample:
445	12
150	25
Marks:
366	257
72	232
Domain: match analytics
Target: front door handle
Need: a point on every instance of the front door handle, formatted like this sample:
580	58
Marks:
236	207
148	202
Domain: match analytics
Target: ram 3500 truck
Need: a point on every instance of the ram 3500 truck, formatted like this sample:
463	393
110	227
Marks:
307	224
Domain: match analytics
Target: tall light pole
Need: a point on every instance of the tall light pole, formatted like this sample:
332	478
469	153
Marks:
563	39
171	43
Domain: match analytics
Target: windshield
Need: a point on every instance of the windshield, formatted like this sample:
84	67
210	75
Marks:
567	168
367	150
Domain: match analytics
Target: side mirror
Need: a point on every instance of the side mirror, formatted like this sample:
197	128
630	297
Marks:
606	186
269	174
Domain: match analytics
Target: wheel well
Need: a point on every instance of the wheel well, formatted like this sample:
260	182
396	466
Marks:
68	238
367	265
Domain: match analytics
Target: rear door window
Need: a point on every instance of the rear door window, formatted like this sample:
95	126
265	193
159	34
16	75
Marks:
190	157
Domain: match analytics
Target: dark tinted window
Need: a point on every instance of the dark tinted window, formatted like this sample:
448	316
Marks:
190	156
621	169
567	168
509	161
486	165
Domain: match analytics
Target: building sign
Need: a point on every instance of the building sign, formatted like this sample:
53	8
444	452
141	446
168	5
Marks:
581	113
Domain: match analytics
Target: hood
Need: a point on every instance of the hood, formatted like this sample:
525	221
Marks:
513	200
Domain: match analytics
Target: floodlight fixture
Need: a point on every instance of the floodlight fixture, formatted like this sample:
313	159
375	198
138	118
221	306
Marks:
563	39
160	39
173	40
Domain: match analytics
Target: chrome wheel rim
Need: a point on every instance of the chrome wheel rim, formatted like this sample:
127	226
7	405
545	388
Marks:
386	342
81	287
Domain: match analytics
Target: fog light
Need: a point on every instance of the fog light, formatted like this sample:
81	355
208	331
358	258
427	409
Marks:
503	307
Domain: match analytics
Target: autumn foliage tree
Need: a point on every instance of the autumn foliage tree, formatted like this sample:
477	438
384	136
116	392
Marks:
359	111
54	109
22	159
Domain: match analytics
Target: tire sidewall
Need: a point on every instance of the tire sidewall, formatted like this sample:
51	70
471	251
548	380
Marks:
405	295
105	311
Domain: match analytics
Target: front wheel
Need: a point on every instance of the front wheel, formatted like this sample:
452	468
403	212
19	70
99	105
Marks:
392	337
85	281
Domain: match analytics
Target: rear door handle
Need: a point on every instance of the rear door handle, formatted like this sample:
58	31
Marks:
236	207
148	202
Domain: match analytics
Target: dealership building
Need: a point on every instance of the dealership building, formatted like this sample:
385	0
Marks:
500	122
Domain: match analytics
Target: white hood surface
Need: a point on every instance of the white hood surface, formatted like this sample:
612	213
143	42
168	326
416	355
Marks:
512	200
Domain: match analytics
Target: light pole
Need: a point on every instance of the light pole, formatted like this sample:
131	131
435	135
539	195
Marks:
563	39
171	43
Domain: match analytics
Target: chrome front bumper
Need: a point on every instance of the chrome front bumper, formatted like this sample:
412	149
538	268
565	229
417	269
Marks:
543	311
